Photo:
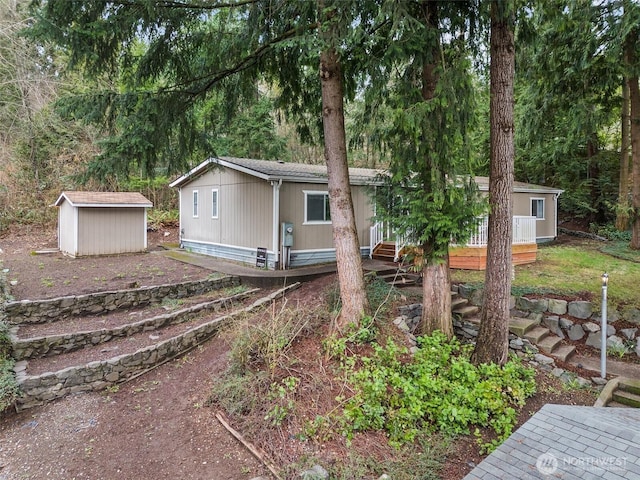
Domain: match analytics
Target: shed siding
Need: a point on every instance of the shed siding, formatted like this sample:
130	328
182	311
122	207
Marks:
244	210
67	229
107	231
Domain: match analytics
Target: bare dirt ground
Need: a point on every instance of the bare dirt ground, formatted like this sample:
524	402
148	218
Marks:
152	427
157	426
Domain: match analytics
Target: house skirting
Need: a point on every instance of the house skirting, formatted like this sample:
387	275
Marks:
298	258
304	258
475	258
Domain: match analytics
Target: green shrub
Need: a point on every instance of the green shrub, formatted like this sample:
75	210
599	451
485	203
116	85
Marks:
436	389
5	341
8	385
238	394
610	232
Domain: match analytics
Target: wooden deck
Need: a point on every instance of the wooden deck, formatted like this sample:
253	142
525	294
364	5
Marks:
475	258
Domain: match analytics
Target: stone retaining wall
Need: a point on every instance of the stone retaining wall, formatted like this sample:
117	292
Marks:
68	342
50	310
577	320
39	389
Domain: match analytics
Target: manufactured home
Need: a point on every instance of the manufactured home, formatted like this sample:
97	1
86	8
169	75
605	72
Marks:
276	215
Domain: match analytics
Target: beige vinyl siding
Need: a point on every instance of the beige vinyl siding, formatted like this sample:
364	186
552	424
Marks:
363	209
320	236
105	230
522	206
245	214
67	228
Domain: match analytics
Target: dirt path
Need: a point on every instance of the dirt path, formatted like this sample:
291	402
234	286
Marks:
151	428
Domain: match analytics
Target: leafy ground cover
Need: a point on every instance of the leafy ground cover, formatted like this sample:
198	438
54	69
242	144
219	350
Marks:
361	404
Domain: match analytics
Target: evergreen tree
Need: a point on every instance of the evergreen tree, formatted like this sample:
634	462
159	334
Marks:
431	198
170	58
492	345
568	101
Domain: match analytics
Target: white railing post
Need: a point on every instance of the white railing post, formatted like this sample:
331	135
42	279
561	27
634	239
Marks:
376	236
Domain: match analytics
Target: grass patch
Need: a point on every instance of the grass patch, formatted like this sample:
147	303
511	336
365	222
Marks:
379	293
574	270
621	250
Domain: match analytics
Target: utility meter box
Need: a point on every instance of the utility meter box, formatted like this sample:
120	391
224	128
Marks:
287	234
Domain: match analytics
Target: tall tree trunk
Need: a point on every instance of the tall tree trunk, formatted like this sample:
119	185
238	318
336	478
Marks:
634	100
436	284
622	210
493	338
345	233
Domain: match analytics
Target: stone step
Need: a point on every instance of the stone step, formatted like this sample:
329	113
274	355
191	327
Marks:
536	334
466	311
627	398
520	326
549	343
630	385
564	352
458	302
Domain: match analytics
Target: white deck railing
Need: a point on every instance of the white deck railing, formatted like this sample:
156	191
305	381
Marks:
376	236
524	231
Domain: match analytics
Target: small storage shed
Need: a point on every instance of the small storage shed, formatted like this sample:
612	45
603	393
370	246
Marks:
102	223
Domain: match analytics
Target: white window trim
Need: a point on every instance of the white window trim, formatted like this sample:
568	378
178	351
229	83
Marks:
314	222
195	203
214	193
531	199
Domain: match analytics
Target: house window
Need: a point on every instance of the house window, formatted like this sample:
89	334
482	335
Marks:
195	204
214	203
316	207
537	208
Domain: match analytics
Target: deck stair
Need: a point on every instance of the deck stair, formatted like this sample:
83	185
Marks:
385	251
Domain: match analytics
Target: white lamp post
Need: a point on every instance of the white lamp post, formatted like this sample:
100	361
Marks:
603	328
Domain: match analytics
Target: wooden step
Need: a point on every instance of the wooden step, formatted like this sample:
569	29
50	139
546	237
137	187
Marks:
536	334
617	405
520	326
627	398
549	343
564	352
